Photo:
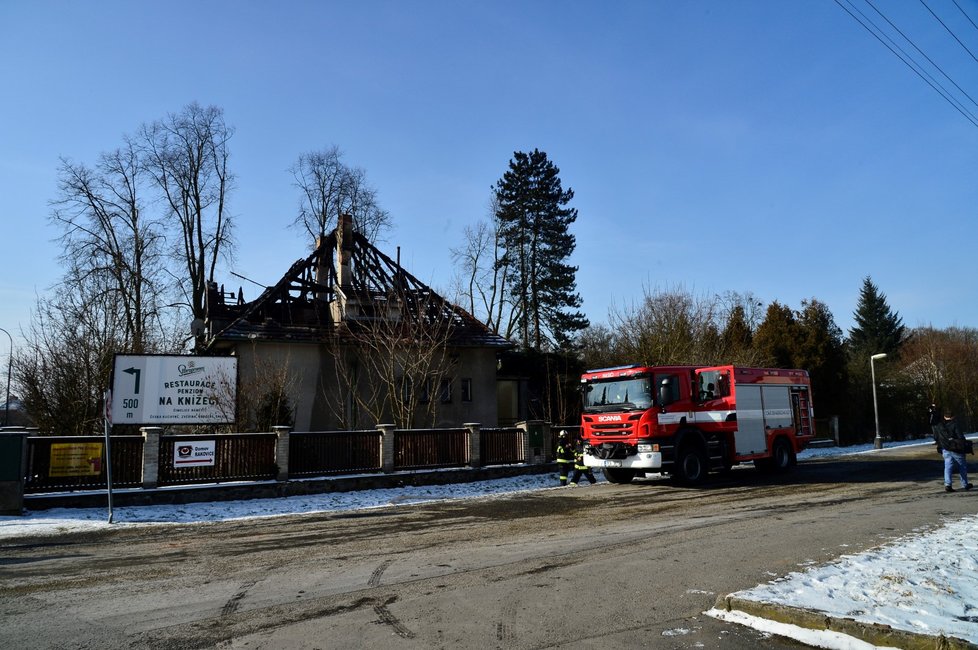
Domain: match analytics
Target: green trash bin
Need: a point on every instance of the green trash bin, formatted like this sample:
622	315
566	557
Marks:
537	445
534	431
13	453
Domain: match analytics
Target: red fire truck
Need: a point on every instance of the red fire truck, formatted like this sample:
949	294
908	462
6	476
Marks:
689	420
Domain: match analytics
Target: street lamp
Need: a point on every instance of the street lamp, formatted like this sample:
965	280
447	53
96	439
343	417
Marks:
877	442
10	362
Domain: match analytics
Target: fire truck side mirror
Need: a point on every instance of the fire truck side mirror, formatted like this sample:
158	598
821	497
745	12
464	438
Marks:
665	393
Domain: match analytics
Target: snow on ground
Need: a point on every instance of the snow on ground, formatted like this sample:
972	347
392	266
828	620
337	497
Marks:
924	583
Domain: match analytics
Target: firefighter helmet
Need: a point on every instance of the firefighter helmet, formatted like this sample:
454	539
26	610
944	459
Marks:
562	434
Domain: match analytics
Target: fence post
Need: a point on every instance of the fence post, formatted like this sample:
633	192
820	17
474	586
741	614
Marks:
387	447
282	451
525	442
475	448
151	456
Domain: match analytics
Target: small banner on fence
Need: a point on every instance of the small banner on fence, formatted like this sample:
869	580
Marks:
194	454
75	459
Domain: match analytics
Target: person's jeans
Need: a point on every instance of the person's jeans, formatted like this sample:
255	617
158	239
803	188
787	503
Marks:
952	458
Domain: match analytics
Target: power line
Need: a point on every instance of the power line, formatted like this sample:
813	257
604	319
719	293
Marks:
922	53
907	60
953	35
965	14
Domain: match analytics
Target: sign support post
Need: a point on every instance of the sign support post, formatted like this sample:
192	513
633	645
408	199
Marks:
107	396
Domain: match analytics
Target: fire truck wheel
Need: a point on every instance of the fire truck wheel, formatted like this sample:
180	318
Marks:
619	475
781	456
691	465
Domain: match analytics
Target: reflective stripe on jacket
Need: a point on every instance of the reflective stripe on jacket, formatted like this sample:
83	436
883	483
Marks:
579	461
565	454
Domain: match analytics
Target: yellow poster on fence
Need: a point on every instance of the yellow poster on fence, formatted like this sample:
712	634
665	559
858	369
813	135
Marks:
76	459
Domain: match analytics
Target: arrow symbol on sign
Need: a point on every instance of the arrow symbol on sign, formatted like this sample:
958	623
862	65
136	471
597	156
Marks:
136	372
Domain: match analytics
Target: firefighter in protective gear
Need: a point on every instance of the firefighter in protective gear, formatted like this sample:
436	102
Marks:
579	466
565	455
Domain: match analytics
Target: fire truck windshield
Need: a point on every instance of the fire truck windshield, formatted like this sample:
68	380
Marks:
621	394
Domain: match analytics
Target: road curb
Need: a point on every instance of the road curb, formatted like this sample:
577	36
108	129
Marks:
873	633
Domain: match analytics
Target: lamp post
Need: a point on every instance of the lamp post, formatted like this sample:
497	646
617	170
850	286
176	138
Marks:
10	362
878	441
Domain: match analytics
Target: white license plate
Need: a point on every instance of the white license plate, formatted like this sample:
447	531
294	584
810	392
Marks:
612	463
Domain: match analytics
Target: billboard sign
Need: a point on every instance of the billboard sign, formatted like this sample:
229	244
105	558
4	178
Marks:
174	389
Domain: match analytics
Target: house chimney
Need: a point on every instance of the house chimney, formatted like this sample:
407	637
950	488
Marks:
344	252
322	266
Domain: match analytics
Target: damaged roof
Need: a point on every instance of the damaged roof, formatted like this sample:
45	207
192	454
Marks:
318	299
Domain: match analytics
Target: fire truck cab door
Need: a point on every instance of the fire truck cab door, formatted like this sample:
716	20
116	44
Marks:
751	436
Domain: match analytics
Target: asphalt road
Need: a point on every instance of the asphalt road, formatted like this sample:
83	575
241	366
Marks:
610	566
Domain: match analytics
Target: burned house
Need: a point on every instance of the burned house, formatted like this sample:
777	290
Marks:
354	340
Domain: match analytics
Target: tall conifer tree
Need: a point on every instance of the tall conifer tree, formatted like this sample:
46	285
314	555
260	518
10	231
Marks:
777	338
878	328
737	336
534	223
822	351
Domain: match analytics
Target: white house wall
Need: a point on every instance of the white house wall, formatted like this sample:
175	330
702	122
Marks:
311	367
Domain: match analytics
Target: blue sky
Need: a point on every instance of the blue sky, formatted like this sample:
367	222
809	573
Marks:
768	146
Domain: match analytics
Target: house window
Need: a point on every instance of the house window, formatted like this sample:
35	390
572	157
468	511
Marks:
445	390
351	411
466	390
425	395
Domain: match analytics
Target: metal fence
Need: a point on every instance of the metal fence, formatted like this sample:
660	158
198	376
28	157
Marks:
427	448
501	446
56	463
319	453
237	457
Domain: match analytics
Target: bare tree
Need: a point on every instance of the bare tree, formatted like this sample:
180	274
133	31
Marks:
668	327
64	367
746	302
262	395
118	277
110	242
186	155
481	278
597	344
740	315
943	366
924	357
393	365
675	326
330	188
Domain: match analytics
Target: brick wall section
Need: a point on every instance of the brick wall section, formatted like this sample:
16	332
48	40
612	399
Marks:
282	451
387	447
151	456
475	449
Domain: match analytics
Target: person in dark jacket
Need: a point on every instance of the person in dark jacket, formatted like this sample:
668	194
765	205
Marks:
565	455
952	444
579	467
